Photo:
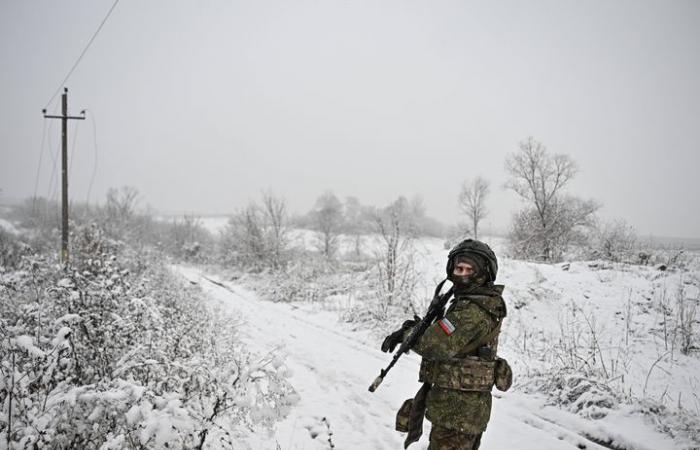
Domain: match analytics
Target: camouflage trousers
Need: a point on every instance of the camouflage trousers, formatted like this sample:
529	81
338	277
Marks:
445	439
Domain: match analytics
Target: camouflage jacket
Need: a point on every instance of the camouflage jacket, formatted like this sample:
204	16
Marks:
475	318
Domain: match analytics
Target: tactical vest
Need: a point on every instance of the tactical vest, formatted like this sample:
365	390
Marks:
466	372
477	370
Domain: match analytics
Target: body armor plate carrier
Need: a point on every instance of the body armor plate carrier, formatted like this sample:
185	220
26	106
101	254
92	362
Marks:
465	374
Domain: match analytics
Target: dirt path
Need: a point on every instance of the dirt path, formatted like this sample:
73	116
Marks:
331	372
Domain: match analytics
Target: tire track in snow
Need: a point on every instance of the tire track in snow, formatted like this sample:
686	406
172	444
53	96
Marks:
330	372
350	341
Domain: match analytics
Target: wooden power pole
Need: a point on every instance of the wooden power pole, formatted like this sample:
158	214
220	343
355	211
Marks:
64	168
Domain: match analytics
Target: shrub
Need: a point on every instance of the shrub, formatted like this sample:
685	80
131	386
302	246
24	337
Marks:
114	352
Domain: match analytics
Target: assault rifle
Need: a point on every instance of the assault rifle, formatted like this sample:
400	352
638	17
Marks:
434	312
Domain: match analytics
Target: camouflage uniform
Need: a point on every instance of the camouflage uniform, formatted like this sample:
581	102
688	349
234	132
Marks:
459	365
459	416
442	438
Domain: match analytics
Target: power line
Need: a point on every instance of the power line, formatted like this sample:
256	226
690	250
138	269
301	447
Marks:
46	210
52	195
94	165
38	168
72	150
70	72
49	144
54	156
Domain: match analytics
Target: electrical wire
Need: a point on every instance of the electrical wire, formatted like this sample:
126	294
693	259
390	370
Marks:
54	156
70	72
94	166
53	183
47	204
38	168
72	150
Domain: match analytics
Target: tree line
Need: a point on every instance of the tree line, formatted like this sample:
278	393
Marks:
551	221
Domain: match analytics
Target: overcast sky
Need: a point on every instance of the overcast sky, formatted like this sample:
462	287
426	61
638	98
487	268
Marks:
201	105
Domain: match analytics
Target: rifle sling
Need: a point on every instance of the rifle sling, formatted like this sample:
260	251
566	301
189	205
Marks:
415	420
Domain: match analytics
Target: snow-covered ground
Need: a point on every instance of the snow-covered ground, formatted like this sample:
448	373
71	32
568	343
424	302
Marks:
8	226
332	366
214	224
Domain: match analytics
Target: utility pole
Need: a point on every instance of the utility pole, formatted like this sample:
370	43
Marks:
64	168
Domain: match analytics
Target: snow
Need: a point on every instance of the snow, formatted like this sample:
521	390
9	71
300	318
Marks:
214	224
621	305
61	336
8	226
26	343
65	283
331	366
68	318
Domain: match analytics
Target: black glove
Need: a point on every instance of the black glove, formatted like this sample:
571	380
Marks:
395	338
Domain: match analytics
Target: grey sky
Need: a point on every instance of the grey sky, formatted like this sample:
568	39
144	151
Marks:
200	105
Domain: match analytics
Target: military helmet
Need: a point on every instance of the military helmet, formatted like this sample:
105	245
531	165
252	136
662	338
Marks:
479	248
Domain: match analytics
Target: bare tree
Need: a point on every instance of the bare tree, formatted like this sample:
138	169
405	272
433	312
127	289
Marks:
121	203
328	219
256	236
549	223
246	234
355	222
686	318
119	212
187	238
395	264
472	201
275	211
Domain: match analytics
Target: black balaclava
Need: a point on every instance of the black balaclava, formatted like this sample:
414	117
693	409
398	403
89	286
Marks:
480	277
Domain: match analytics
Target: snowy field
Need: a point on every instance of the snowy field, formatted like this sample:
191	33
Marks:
619	307
596	348
214	224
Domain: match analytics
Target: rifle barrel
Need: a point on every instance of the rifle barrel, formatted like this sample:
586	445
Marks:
437	304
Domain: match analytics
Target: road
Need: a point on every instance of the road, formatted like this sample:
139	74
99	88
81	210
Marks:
331	370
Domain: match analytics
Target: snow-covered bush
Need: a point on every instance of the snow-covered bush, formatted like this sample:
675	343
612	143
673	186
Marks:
614	241
256	236
311	277
579	394
550	235
306	279
681	424
396	277
11	250
686	321
114	352
186	239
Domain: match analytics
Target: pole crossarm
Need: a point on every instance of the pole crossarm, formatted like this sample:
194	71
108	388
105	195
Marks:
64	117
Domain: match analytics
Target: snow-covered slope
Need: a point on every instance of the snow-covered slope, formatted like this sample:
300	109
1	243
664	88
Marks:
333	366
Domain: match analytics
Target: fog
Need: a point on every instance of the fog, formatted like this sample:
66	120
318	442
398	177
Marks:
201	105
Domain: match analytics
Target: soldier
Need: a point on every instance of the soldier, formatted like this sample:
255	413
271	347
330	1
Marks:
459	364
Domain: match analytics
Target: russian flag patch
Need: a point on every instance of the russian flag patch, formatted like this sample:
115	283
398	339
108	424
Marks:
446	326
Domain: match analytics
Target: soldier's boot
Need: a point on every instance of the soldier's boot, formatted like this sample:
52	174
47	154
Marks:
442	438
